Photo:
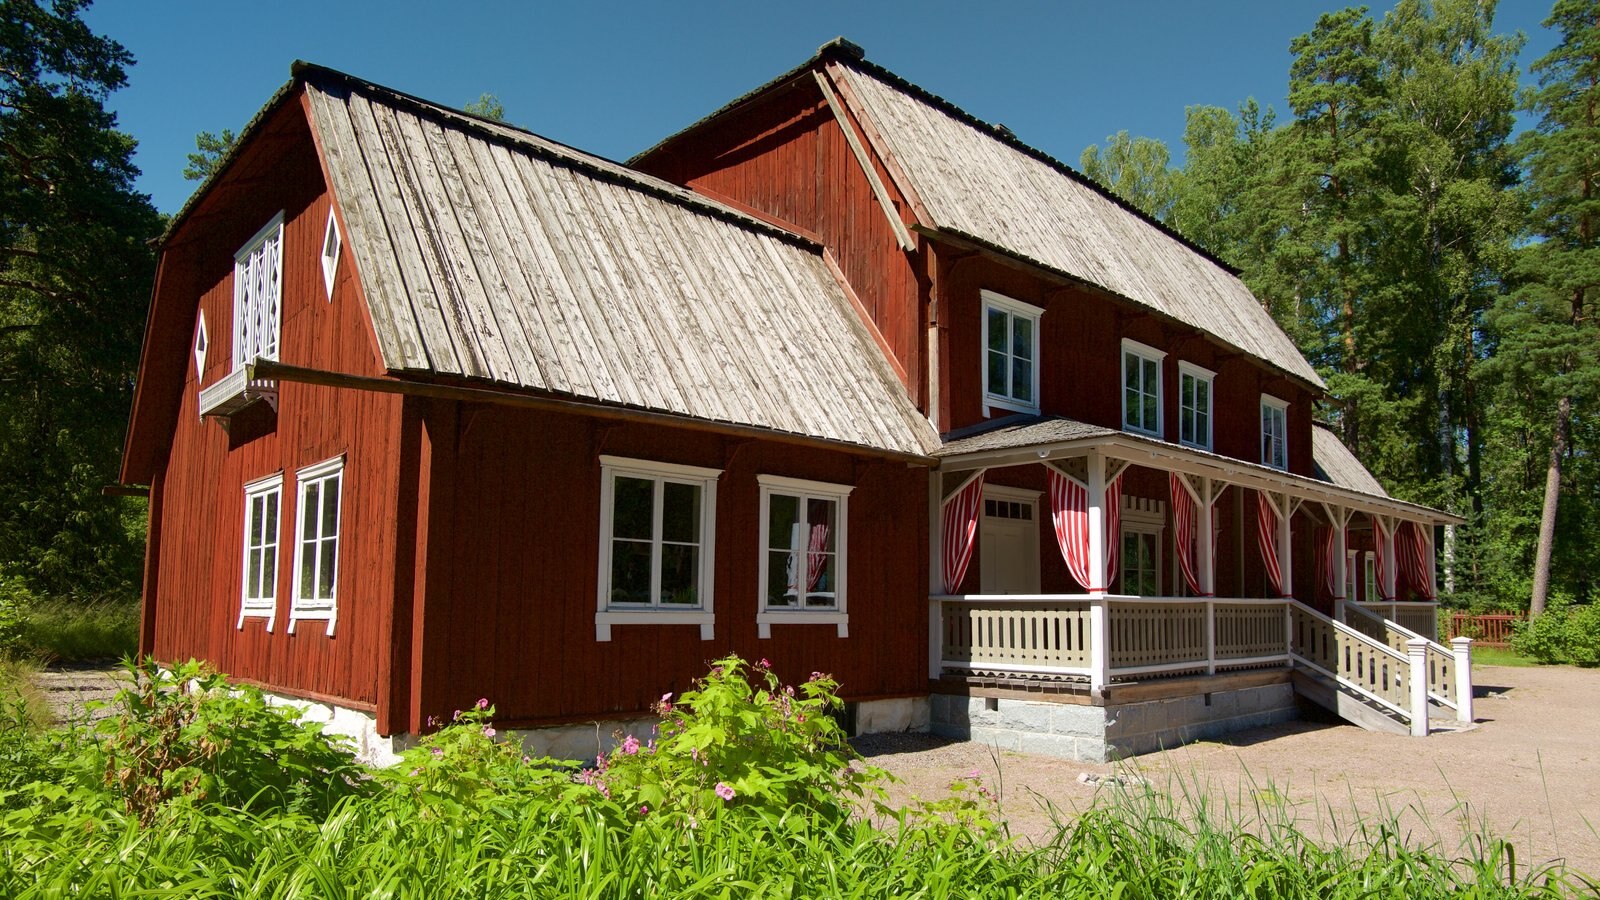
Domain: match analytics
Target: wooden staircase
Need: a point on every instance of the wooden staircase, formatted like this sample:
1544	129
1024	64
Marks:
1379	675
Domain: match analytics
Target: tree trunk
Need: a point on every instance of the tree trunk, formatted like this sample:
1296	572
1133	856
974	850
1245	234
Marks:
1552	499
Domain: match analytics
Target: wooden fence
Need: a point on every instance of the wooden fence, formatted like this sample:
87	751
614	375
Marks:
1486	629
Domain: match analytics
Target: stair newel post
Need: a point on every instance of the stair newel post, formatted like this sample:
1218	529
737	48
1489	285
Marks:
1461	648
1417	654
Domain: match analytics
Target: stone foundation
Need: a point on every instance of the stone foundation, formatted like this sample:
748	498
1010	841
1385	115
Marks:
887	716
1103	733
360	727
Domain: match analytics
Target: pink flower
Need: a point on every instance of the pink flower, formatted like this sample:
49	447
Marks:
644	809
488	732
974	774
526	760
417	771
764	664
483	702
816	676
667	697
438	752
457	715
630	745
724	790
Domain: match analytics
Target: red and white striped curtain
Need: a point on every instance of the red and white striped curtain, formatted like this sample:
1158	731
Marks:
1410	545
1185	515
1325	563
817	555
1267	540
960	518
1069	513
1380	557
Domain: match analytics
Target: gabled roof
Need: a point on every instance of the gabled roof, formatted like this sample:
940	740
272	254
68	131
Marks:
1337	464
489	253
976	181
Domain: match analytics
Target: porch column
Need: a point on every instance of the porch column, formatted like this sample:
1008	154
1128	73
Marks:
1383	527
1098	576
935	531
1204	539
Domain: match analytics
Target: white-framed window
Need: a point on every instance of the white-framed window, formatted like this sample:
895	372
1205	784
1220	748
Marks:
1350	583
330	253
258	295
201	342
316	554
804	553
263	510
1141	560
1274	432
1010	353
1194	405
1141	387
657	530
1369	581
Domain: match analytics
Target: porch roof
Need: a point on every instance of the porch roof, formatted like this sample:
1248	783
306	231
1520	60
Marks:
1016	440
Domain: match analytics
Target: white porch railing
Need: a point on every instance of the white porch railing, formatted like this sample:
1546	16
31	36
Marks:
1105	639
1449	669
1420	617
1054	634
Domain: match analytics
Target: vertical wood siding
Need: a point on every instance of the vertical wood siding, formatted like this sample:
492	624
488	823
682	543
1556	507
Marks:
198	497
511	576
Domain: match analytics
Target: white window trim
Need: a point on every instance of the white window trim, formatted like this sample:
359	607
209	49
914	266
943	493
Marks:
822	490
263	608
330	263
1369	579
1140	526
1351	569
239	259
1014	308
1131	347
1210	378
1267	400
202	343
301	610
704	615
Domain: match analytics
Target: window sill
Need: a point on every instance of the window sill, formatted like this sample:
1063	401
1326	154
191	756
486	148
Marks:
312	615
765	620
1193	445
264	614
991	402
604	620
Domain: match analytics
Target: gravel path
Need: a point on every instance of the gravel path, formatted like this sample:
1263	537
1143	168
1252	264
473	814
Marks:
1530	771
70	689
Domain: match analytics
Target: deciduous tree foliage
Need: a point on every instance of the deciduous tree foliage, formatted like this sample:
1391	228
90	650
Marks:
75	276
1386	228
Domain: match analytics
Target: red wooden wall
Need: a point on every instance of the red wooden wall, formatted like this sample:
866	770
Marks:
508	584
785	155
197	508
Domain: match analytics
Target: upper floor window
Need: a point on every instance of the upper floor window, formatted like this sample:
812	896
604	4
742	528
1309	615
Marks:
1011	353
258	295
1194	405
263	502
1141	387
316	558
1274	432
330	253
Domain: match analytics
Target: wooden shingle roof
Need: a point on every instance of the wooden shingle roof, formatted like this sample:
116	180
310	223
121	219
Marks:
1337	464
977	182
492	254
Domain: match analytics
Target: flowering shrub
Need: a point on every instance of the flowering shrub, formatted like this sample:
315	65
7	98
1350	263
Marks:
740	739
462	765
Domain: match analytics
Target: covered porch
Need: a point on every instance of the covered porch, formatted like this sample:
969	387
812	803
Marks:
1074	568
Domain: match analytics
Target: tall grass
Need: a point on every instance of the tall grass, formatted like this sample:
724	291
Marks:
77	631
21	694
467	816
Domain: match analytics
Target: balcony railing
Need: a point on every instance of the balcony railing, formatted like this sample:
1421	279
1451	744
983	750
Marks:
1422	618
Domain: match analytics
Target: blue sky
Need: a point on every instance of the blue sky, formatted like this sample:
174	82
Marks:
613	78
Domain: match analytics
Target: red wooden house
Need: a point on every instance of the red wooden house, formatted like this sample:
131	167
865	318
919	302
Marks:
432	408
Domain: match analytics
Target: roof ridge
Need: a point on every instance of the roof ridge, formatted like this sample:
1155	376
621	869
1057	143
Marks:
1006	136
524	139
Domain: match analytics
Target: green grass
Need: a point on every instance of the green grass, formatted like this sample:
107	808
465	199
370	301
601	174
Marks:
1494	656
74	631
19	692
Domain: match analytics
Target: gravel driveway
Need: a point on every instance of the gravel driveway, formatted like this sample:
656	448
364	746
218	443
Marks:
1530	771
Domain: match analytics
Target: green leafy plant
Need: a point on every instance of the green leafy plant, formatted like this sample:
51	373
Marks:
1564	634
740	738
187	734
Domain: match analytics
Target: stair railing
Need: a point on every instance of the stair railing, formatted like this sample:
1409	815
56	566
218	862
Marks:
1448	669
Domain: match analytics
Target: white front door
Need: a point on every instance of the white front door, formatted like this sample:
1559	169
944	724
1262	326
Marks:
1008	541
